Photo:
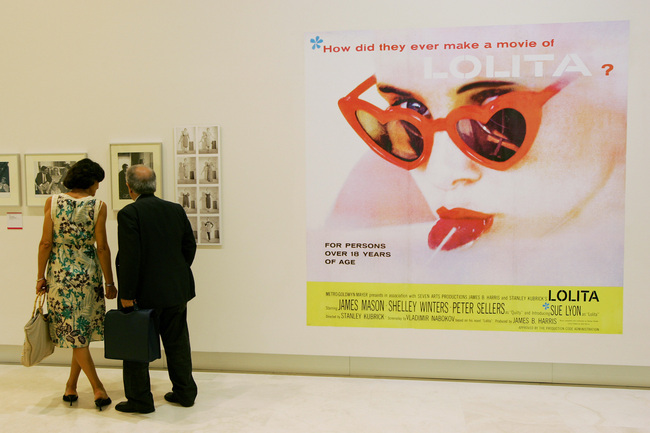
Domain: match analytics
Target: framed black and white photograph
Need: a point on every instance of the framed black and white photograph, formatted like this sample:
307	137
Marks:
209	200
186	170
208	171
125	155
44	174
187	198
208	142
209	231
9	180
198	179
184	139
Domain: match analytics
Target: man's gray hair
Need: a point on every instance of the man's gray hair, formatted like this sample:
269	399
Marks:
141	179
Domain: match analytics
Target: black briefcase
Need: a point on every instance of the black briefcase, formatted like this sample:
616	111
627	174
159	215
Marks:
131	336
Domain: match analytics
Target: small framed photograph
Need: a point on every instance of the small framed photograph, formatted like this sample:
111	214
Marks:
198	180
125	155
208	139
208	173
9	180
209	231
209	200
186	170
184	139
187	199
44	174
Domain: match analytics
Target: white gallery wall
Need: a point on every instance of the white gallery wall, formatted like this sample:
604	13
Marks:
77	76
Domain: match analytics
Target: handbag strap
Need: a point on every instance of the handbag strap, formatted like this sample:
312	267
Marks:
40	301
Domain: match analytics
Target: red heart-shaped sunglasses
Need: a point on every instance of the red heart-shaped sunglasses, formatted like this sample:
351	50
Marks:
496	135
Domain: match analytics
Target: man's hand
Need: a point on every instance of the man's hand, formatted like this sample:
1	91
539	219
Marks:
126	303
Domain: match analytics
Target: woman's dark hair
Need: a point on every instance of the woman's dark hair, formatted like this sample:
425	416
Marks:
83	174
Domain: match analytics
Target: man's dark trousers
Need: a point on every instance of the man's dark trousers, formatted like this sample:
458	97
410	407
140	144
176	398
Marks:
172	323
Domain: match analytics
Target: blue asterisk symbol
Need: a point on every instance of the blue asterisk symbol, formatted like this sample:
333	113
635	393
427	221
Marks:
316	42
546	306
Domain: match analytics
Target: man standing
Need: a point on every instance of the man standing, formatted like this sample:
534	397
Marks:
156	249
43	180
123	189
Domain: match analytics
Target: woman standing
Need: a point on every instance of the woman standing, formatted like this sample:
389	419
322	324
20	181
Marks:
73	223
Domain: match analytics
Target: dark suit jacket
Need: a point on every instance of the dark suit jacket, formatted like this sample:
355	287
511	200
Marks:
121	182
42	178
156	249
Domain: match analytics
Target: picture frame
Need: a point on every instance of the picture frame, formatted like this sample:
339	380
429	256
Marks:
10	179
124	155
197	173
44	173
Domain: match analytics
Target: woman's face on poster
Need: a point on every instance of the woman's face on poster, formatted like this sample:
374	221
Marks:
580	140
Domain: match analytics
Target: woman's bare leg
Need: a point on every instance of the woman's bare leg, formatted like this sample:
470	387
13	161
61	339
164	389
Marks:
85	362
73	379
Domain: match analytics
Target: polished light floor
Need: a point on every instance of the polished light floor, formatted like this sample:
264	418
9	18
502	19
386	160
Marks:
253	403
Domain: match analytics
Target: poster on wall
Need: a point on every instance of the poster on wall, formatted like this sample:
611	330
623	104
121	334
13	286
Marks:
467	178
198	180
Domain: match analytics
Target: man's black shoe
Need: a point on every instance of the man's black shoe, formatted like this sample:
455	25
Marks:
127	406
173	398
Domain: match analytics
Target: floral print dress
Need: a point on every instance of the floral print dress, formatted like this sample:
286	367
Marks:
74	276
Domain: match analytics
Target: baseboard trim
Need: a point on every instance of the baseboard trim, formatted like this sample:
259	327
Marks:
493	371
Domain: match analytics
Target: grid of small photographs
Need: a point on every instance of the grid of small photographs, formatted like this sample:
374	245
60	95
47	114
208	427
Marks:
198	180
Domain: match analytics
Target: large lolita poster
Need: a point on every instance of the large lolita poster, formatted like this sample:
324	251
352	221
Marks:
467	178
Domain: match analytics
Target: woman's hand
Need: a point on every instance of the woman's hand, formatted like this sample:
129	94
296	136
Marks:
41	286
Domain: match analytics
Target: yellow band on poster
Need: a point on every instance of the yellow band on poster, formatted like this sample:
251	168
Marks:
596	310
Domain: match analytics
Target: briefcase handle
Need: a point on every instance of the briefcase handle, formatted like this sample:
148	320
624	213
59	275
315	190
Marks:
135	307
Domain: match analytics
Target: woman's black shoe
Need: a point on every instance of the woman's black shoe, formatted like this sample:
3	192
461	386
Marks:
70	398
101	402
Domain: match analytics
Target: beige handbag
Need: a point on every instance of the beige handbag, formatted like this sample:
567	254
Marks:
38	343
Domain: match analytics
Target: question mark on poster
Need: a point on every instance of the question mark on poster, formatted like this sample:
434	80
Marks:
608	68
